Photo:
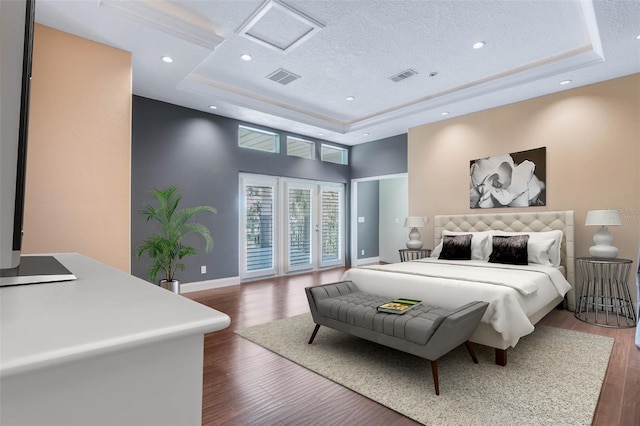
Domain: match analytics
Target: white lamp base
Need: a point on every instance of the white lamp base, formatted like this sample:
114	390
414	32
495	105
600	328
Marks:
414	239
603	248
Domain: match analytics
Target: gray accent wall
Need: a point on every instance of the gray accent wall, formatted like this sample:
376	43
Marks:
383	157
378	158
368	209
199	153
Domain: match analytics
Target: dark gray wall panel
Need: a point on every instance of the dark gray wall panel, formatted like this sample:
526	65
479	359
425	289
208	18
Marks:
382	157
177	146
199	153
369	209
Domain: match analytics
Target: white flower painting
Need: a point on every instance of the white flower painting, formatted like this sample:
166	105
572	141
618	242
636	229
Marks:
509	180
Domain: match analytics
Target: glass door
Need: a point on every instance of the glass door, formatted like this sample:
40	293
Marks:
257	241
289	225
331	229
299	224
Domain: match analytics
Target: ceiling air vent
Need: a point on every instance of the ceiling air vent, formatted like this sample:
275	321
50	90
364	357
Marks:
283	77
403	75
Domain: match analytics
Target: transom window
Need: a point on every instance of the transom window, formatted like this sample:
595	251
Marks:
261	140
333	154
300	148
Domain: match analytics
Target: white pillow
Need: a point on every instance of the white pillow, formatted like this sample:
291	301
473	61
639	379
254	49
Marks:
556	236
538	252
480	244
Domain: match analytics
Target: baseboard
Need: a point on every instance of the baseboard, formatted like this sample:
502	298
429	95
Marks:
209	284
366	261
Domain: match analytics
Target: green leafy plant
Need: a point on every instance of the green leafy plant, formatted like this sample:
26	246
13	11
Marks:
165	248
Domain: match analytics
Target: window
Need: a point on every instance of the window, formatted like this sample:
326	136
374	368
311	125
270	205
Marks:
300	148
258	139
333	154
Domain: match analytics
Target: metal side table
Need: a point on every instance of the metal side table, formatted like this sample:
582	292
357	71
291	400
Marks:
605	299
407	255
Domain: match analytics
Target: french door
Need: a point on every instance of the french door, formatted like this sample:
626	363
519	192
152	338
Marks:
289	225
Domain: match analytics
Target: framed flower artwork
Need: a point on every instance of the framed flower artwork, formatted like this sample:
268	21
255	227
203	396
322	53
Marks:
509	180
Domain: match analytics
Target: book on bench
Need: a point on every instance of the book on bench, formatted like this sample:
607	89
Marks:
399	306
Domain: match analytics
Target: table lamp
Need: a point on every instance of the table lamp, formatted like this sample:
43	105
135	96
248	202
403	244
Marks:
414	222
603	238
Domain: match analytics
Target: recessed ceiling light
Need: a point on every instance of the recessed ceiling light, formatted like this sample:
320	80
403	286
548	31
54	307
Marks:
365	134
479	45
638	37
245	57
213	107
444	113
563	82
350	98
320	134
167	59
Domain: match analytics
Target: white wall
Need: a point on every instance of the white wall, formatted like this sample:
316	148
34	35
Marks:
394	207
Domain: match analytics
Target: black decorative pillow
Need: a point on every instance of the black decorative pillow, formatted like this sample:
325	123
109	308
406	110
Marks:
510	250
456	247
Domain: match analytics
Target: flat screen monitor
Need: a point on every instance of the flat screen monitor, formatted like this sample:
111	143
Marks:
16	32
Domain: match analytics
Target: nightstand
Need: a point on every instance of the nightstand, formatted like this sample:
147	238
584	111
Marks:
604	298
407	255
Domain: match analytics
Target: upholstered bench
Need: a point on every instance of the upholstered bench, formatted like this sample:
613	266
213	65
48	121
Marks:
426	331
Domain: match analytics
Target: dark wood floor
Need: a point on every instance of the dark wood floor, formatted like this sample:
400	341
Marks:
245	384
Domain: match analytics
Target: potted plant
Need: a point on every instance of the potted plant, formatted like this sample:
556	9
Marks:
165	247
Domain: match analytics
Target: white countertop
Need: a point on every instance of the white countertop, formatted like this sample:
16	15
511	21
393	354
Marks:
104	310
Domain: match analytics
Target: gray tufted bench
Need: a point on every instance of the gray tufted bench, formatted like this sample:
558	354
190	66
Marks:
426	331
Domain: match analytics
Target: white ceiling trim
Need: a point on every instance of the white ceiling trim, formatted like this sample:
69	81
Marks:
243	98
589	15
547	67
266	7
167	18
577	58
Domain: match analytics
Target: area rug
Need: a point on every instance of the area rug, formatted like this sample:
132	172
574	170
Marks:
553	376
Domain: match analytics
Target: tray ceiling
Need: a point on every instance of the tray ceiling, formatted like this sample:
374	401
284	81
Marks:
403	63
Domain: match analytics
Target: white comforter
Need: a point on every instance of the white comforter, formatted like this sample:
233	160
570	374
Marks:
513	292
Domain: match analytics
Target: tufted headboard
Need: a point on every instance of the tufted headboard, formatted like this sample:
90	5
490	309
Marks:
519	222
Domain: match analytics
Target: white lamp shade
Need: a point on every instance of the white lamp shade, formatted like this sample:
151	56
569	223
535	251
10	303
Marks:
415	222
603	218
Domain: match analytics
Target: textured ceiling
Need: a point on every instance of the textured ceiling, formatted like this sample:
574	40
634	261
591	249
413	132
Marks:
352	48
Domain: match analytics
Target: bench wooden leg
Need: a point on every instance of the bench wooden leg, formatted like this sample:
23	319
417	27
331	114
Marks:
471	352
501	357
434	371
315	331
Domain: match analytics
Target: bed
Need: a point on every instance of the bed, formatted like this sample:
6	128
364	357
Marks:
515	306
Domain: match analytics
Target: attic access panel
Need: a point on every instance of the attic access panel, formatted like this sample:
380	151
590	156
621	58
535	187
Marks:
279	26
